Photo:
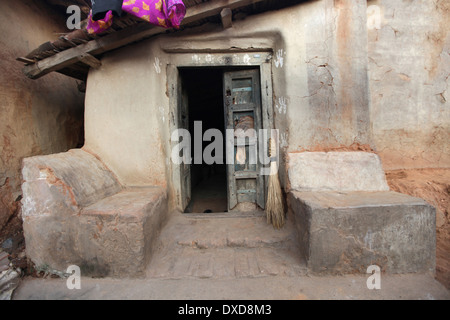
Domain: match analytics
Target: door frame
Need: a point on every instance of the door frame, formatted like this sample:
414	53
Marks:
257	60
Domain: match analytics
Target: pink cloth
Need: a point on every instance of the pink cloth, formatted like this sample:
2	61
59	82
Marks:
163	13
100	25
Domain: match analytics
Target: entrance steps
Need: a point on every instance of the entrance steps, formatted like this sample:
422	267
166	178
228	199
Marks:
349	220
225	246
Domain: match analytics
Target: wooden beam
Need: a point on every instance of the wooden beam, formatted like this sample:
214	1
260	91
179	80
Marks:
54	63
90	60
227	18
126	36
213	8
26	60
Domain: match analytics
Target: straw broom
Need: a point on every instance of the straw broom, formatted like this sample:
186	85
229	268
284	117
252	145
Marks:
274	206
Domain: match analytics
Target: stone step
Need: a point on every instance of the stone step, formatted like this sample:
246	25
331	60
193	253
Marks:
225	246
346	232
225	230
225	263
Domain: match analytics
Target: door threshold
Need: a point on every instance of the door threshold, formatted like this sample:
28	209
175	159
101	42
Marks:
232	214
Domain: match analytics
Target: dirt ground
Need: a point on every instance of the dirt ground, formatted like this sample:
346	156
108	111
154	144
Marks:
432	185
350	287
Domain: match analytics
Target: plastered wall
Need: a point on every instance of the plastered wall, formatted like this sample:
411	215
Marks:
409	67
331	86
36	116
319	83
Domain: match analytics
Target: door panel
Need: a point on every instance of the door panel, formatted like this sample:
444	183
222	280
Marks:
185	167
243	114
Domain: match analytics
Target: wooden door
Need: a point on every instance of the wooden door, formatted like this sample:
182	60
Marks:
185	167
242	106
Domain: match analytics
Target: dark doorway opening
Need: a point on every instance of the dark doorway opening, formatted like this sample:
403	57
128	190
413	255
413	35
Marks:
204	87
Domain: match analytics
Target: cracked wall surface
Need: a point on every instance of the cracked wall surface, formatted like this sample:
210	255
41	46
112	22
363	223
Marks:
320	86
334	111
340	81
409	67
37	116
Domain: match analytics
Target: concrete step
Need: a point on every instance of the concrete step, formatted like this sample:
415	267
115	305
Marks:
225	263
225	246
225	230
346	232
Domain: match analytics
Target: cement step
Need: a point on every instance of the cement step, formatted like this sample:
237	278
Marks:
225	246
346	232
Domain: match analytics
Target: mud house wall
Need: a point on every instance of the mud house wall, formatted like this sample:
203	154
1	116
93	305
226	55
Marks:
409	66
326	76
319	81
37	116
125	99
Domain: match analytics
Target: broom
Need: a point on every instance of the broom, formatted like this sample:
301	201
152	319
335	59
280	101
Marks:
274	205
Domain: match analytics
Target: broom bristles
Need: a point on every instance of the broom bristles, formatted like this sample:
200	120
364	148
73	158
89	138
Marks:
274	207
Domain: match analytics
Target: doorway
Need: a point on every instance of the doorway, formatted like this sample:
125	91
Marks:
227	99
203	90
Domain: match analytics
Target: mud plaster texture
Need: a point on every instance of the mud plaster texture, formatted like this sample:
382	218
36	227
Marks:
75	212
37	116
320	85
432	185
409	67
331	90
337	84
348	219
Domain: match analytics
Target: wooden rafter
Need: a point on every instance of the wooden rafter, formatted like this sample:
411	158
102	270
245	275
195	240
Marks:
138	32
227	18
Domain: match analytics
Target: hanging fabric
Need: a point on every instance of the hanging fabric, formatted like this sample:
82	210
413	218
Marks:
162	13
101	7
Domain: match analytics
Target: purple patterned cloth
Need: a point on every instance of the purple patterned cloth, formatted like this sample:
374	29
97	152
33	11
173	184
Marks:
100	25
163	13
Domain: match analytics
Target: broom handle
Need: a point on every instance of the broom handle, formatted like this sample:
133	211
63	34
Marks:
273	147
273	156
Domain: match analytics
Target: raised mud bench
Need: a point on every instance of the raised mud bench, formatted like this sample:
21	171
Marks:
347	219
75	212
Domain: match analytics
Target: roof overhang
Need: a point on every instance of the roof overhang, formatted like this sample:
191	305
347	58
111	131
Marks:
76	52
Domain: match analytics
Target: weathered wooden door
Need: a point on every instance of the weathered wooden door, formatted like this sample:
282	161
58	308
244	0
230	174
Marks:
243	115
185	167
